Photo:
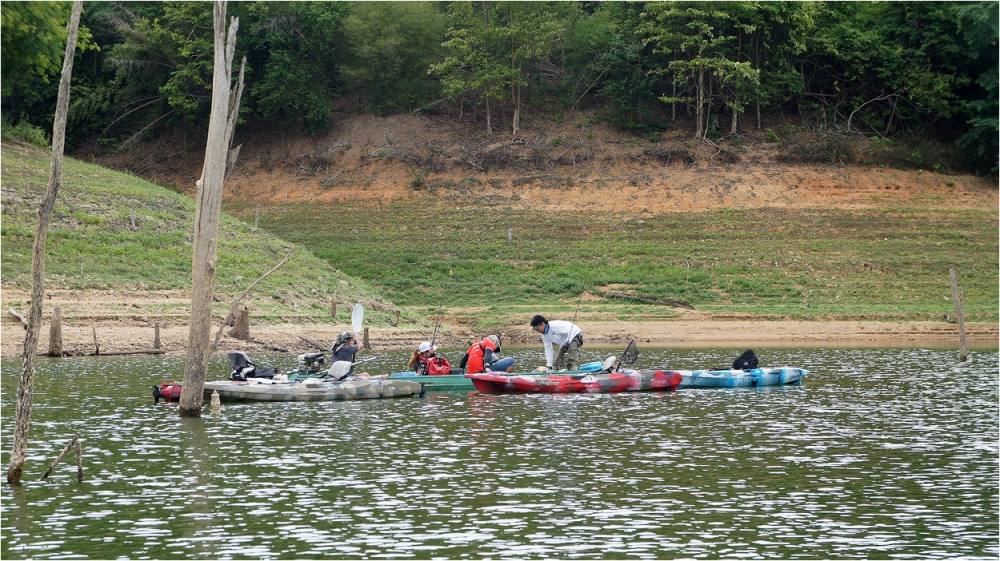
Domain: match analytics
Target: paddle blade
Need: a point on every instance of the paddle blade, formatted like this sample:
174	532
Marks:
357	316
631	354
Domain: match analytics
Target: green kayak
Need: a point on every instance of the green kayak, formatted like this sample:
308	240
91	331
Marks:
447	382
458	382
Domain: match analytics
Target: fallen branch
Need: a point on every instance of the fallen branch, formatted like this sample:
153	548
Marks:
879	98
663	301
313	342
75	442
269	346
236	302
113	353
18	317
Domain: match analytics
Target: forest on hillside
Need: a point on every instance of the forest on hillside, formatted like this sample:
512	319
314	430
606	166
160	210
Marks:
886	70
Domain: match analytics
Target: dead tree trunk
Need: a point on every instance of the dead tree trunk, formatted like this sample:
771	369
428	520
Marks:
241	329
73	444
23	411
489	124
221	125
699	110
55	333
956	297
156	336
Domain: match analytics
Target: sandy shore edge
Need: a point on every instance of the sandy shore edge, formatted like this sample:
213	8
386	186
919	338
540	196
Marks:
707	333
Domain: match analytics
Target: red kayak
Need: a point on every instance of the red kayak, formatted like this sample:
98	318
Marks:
167	391
615	382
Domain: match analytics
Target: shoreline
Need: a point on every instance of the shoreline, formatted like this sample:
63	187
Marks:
118	337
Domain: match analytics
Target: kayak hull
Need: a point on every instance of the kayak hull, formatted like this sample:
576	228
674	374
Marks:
363	388
460	382
616	382
758	377
446	382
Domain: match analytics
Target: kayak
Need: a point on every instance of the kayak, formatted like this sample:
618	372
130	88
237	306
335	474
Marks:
742	378
460	382
443	382
167	391
615	382
314	389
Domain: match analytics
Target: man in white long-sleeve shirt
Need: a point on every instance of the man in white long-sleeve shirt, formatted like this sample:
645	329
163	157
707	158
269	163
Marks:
565	335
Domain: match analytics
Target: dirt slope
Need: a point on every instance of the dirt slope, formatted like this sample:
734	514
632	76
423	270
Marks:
551	166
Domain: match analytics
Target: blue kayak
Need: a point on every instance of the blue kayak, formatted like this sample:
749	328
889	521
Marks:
742	378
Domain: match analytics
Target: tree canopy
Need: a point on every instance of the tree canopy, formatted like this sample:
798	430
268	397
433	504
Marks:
882	69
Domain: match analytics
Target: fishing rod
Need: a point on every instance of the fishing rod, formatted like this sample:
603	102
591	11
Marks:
578	302
437	325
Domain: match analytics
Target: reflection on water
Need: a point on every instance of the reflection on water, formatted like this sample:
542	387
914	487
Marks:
881	453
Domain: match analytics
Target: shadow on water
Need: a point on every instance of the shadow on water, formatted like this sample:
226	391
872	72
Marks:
881	453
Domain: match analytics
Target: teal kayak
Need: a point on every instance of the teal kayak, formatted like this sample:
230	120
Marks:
458	382
756	377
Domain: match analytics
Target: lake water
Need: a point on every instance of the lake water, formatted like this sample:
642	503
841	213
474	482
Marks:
882	453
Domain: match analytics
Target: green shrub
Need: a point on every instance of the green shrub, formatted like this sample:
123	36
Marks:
26	132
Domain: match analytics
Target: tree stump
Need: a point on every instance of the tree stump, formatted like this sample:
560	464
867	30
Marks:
956	297
241	329
156	336
333	309
364	339
55	333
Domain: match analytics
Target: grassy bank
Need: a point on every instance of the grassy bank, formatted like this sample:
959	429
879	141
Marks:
890	263
115	231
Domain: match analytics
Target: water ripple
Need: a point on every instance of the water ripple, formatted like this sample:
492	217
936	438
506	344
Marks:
872	457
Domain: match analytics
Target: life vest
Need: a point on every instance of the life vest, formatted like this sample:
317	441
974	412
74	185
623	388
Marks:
438	366
476	351
421	366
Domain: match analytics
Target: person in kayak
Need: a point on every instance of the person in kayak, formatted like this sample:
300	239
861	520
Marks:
344	349
483	355
566	335
426	362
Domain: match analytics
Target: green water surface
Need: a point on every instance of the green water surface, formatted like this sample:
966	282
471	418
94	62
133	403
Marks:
882	453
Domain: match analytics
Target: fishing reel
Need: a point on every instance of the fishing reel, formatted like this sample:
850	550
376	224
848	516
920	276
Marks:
311	361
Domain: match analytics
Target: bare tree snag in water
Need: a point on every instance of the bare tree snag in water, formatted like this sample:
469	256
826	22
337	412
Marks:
221	125
956	297
74	443
23	413
55	333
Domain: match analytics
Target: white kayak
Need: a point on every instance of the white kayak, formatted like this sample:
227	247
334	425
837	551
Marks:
312	389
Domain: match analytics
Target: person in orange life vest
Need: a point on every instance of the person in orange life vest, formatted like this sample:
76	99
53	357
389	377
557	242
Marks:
482	355
425	362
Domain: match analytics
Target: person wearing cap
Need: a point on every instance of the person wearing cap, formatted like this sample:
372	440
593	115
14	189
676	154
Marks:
566	335
420	357
344	349
483	356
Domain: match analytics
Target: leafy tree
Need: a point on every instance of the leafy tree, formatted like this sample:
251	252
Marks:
295	55
492	47
472	62
629	68
978	22
697	41
33	41
389	46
